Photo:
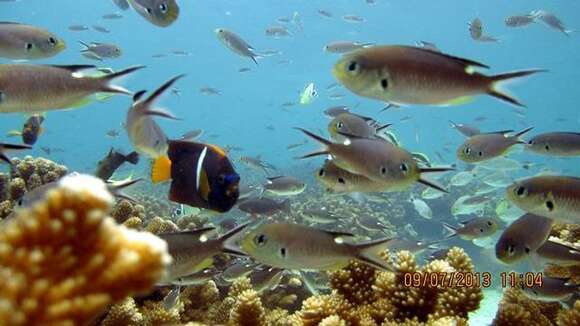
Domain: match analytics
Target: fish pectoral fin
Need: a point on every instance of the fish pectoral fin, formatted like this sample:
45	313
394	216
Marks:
204	187
14	133
161	169
459	101
80	103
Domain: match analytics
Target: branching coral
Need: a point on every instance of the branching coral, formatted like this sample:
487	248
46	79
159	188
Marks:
37	171
361	296
391	301
157	225
63	260
516	309
125	210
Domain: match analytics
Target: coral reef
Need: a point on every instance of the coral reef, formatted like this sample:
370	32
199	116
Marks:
125	210
360	296
36	171
63	260
516	309
158	225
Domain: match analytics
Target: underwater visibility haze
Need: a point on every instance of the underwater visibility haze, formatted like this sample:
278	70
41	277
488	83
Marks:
350	162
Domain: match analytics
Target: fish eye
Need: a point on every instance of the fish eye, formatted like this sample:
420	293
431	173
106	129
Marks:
511	250
283	252
489	223
404	167
260	240
480	153
163	7
550	205
535	292
221	178
547	147
527	250
384	83
321	173
467	150
52	40
20	202
521	191
1	97
341	180
339	125
481	230
383	170
353	66
29	46
531	142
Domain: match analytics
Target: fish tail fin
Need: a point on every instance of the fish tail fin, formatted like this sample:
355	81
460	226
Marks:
163	88
4	146
318	139
85	45
450	230
495	87
368	253
161	169
107	79
233	249
384	127
521	133
132	158
433	185
255	59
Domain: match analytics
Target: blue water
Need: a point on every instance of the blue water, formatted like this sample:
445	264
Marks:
253	100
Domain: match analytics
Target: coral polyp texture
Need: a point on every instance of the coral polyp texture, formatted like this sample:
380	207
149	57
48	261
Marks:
361	296
64	260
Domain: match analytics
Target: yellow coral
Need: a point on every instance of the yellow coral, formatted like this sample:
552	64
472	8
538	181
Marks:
570	317
517	309
354	282
154	313
133	223
248	310
333	320
63	260
124	313
157	225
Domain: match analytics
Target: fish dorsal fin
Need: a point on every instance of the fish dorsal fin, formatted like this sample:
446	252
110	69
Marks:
274	178
463	61
74	68
138	95
10	23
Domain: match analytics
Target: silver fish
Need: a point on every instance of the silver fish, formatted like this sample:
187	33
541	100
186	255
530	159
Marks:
144	133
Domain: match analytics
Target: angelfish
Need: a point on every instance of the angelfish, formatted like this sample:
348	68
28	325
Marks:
201	175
